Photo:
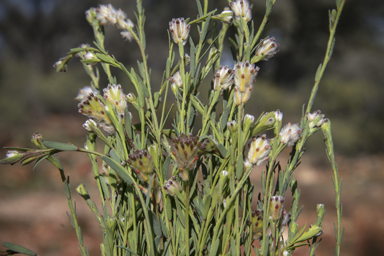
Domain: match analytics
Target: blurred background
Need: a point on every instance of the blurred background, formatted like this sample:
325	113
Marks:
34	98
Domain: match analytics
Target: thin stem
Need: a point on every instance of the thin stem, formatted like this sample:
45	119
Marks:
327	57
187	218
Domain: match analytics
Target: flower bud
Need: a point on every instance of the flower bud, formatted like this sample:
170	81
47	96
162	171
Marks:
179	30
172	185
175	89
176	80
225	16
276	207
37	140
131	98
60	66
89	124
316	119
248	121
279	115
232	126
257	224
187	60
290	134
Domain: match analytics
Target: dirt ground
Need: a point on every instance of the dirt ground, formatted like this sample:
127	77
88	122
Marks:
33	205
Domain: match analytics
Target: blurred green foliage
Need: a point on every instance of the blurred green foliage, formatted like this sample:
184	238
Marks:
36	33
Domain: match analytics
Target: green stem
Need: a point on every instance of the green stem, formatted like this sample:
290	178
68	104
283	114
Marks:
327	57
262	26
182	127
187	218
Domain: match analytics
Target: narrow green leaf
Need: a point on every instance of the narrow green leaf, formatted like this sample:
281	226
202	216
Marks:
207	205
60	146
199	8
127	249
155	223
239	167
19	249
197	104
214	248
119	169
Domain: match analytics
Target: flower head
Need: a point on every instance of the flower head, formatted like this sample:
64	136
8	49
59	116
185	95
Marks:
241	8
179	30
223	78
244	76
176	80
114	94
258	152
108	15
142	162
92	107
290	133
84	92
316	119
172	185
267	49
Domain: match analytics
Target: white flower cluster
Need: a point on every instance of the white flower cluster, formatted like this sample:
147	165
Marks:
108	15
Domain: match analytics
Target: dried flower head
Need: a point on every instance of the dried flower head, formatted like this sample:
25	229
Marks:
186	147
179	30
241	8
290	133
267	49
223	78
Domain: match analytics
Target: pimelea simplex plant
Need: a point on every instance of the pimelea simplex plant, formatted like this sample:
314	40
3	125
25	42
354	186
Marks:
176	190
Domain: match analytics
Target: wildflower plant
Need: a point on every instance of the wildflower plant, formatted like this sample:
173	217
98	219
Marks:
173	189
